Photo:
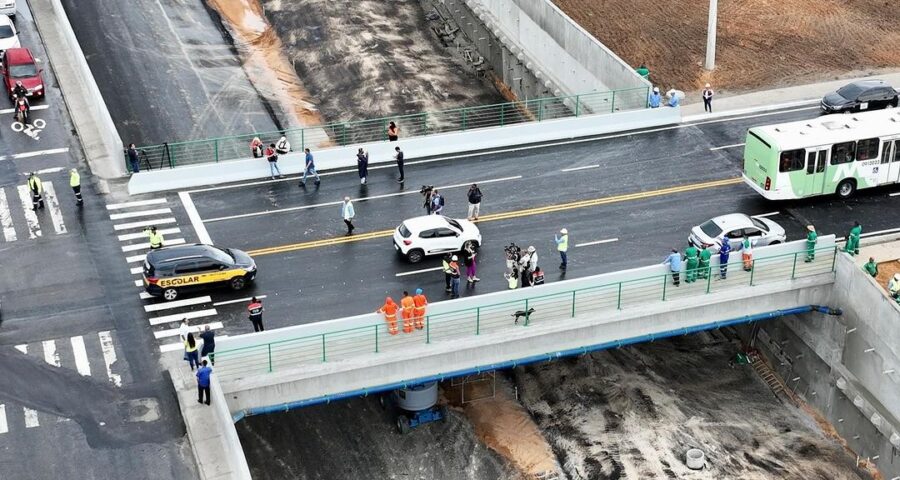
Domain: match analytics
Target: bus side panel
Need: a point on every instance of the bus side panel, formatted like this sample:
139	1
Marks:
761	163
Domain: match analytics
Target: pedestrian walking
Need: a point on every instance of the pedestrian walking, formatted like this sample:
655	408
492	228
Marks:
537	277
427	191
183	330
852	246
309	168
272	157
562	246
871	268
723	257
398	156
811	238
156	238
421	302
134	160
674	263
474	197
705	256
469	261
655	99
203	374
209	344
454	277
746	249
393	132
407	311
437	203
692	256
347	214
707	95
190	349
448	272
255	310
389	309
362	165
37	191
75	183
283	147
256	147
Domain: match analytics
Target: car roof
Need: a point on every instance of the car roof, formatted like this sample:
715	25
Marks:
869	83
425	222
178	252
732	220
5	20
18	56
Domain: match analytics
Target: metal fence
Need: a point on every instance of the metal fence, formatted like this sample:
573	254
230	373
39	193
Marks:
171	155
499	317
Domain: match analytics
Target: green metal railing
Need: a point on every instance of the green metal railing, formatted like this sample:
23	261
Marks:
171	155
498	317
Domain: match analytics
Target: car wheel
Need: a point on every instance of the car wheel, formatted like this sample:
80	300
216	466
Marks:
775	242
893	103
237	283
846	188
170	294
403	424
470	243
415	256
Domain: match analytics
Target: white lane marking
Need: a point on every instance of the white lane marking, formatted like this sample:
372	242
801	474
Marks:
9	230
685	124
575	169
4	427
109	357
135	236
415	272
146	296
22	348
767	214
880	232
174	347
35	107
361	199
51	356
81	359
38	153
44	170
136	270
34	226
176	304
894	194
138	203
139	283
53	205
143	223
140	213
180	316
136	258
598	242
173	332
196	221
31	418
146	245
713	149
239	300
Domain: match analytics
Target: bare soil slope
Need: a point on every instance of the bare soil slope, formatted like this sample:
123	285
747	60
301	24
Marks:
760	43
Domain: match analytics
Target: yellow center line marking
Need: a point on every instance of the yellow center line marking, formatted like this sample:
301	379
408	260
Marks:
507	215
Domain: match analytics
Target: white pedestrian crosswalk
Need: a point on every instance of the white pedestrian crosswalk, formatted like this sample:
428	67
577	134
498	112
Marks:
35	223
79	353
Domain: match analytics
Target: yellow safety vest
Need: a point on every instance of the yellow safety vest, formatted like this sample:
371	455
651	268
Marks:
156	239
74	179
563	245
34	183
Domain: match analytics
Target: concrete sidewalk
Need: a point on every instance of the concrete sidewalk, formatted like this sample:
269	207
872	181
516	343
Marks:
811	94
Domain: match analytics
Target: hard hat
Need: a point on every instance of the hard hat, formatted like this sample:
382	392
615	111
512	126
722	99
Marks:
531	249
388	300
564	231
454	258
897	277
811	228
707	85
655	89
418	291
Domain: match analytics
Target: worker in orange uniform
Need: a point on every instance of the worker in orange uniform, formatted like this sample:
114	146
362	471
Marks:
406	309
419	311
389	309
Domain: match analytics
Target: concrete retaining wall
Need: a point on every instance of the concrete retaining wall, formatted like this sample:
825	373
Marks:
413	148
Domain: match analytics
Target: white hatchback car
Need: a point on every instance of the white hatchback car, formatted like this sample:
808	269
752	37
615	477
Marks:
760	230
8	36
418	237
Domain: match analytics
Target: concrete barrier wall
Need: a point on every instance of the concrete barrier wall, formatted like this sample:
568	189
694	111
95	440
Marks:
96	130
233	452
413	148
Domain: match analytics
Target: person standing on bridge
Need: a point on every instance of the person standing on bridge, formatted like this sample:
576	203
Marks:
134	160
209	344
562	246
454	277
256	147
852	246
310	167
399	158
448	272
190	349
255	310
272	157
674	263
362	165
283	147
474	197
393	132
655	99
389	309
347	214
419	311
692	255
746	249
723	257
203	374
75	183
705	256
871	268
37	191
811	238
407	310
437	203
707	95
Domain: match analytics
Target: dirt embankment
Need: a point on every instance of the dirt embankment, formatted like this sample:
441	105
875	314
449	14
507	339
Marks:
760	43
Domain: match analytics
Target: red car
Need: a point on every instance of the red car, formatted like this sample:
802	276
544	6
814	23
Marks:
19	66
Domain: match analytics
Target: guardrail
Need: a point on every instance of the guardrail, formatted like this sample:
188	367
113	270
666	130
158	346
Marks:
171	155
490	319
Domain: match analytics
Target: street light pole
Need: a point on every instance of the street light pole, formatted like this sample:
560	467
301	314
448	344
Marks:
711	36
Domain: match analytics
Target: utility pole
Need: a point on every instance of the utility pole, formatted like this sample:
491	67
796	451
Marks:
711	36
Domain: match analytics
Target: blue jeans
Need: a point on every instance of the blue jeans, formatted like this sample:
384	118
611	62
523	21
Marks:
564	260
311	170
193	359
454	287
273	167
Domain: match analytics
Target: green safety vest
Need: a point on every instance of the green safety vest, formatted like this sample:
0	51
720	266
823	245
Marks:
691	253
855	232
156	239
34	183
705	254
74	179
563	244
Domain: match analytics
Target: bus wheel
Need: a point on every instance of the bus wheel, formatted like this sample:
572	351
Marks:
846	188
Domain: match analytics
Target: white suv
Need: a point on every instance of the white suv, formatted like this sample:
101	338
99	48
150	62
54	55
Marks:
8	36
433	235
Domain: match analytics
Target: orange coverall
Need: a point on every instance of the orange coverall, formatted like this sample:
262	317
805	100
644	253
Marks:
389	309
419	311
406	303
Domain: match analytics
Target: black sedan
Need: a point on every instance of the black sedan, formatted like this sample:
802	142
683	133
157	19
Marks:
858	96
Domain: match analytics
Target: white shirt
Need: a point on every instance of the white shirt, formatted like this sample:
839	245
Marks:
532	264
283	145
183	330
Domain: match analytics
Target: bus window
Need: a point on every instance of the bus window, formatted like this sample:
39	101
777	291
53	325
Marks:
820	166
886	153
810	163
843	152
867	149
791	161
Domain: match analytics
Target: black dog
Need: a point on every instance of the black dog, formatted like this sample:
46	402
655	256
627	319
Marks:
522	313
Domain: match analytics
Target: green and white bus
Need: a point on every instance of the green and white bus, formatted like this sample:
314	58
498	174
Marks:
830	154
